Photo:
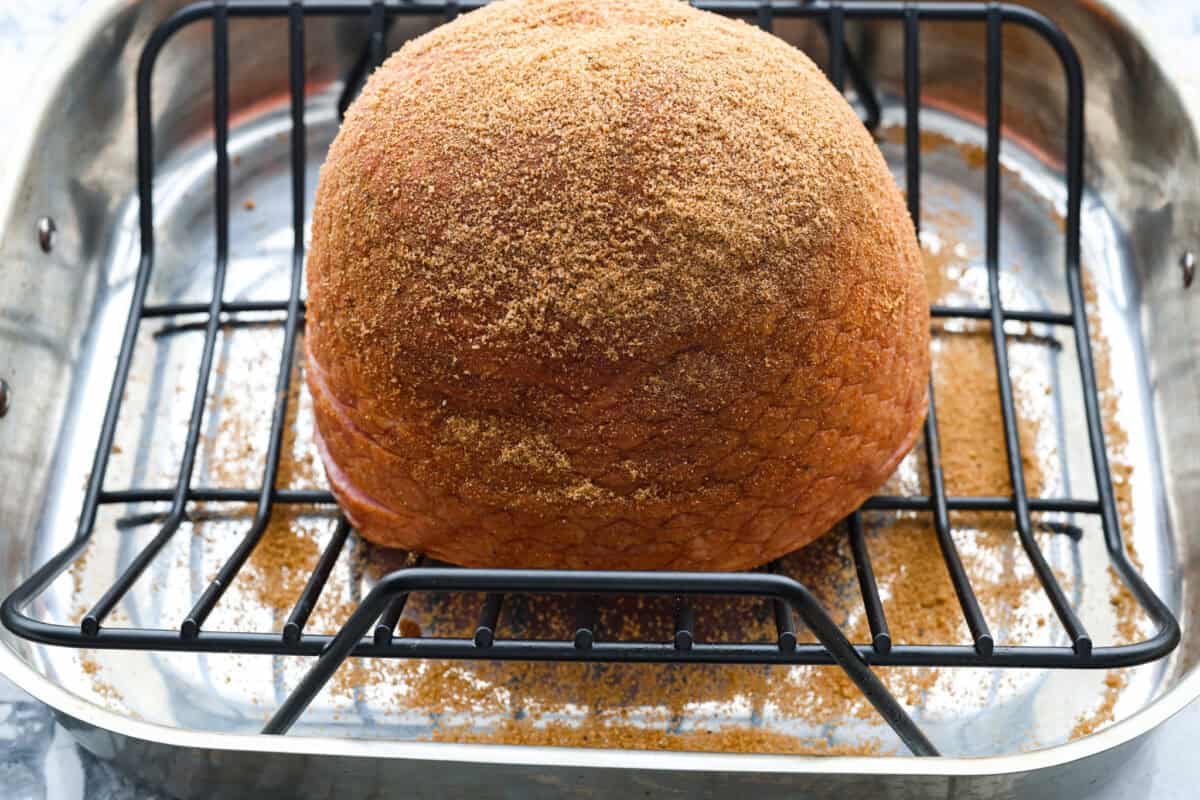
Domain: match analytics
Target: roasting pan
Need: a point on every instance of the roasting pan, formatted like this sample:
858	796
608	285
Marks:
69	251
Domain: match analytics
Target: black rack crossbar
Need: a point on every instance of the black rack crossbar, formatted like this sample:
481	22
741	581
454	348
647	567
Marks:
496	582
805	653
372	629
294	627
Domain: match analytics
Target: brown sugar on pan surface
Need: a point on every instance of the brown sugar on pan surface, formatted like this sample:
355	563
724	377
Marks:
1132	623
726	739
694	335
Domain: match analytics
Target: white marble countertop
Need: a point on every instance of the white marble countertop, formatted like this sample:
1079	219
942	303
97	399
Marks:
40	761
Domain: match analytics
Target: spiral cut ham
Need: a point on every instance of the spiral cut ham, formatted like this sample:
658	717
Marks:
609	284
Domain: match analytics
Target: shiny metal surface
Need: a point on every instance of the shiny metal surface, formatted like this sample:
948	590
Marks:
77	164
45	231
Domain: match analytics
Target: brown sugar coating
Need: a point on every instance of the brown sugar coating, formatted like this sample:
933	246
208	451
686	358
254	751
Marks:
615	284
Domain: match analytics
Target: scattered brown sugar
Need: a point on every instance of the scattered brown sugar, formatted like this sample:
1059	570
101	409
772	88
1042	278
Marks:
1115	436
286	555
102	688
974	156
1104	714
236	451
1132	623
966	393
107	691
78	569
943	273
724	739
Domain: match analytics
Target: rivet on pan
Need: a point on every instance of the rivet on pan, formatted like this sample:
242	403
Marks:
45	231
1188	264
4	397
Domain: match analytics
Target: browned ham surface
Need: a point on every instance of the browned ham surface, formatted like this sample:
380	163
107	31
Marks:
609	284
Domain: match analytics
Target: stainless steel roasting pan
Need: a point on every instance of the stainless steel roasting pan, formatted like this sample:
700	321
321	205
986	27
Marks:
63	295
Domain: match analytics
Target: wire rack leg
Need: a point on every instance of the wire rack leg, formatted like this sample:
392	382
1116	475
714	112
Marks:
495	581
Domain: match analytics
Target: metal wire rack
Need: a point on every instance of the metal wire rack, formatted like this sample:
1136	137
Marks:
371	630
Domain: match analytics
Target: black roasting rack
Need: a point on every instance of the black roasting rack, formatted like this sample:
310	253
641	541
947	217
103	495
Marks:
371	630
